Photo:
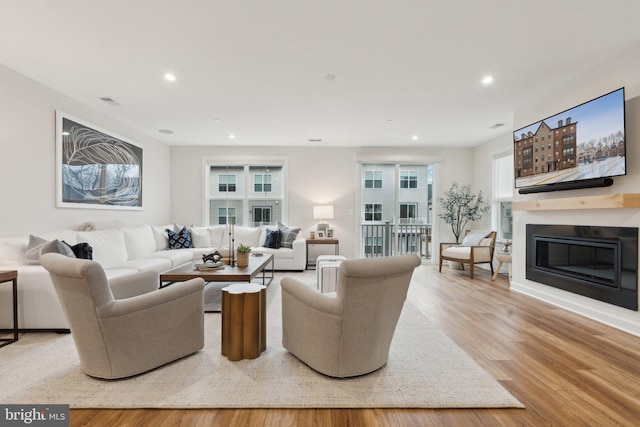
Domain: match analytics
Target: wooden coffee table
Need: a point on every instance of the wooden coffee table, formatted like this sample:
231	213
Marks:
257	265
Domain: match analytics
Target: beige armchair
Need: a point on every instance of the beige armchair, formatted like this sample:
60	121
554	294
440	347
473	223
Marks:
477	248
349	332
117	338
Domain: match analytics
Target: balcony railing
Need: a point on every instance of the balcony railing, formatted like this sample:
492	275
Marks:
386	239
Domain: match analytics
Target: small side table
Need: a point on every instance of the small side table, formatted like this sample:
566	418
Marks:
503	258
317	247
11	276
244	320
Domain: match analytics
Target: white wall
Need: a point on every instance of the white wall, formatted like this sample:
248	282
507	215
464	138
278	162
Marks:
598	82
27	162
318	175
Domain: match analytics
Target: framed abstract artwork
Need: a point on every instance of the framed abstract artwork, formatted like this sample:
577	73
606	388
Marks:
96	169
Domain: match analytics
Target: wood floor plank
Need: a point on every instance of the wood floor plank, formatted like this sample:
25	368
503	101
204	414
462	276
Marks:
566	369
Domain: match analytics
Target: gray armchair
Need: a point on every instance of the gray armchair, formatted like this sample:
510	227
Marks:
349	332
117	338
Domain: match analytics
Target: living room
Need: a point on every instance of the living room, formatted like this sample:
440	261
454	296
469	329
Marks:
316	174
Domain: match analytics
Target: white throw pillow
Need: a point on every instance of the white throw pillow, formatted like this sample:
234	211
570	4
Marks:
247	236
200	237
160	235
474	237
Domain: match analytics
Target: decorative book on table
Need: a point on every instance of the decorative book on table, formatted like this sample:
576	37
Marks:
210	266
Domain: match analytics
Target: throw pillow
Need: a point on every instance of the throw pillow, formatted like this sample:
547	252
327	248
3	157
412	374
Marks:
287	236
179	240
273	239
474	237
81	250
200	237
38	246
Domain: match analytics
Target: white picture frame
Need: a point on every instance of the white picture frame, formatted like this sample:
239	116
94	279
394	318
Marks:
96	169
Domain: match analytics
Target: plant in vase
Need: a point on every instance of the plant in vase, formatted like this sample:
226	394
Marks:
459	206
243	255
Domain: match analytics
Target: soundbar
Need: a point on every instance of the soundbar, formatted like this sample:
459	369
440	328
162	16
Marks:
573	185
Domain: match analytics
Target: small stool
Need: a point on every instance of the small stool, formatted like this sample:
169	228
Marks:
506	259
244	320
324	262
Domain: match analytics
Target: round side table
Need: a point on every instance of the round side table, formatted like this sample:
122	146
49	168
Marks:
503	258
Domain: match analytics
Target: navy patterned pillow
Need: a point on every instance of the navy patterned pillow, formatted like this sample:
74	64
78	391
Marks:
179	240
273	239
287	235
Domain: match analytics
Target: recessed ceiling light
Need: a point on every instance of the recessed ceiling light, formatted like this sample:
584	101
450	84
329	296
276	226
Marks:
170	77
329	77
487	80
216	120
414	137
166	131
232	136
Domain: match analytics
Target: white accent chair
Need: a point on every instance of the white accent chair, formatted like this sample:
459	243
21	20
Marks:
349	332
477	247
117	338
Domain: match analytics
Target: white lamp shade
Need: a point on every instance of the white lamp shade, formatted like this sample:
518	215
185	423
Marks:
323	212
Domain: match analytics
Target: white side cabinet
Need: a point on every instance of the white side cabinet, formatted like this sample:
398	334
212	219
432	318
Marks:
317	247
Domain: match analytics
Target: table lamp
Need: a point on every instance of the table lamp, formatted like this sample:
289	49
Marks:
323	213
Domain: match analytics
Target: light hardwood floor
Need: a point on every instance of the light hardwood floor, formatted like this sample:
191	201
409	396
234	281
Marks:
566	369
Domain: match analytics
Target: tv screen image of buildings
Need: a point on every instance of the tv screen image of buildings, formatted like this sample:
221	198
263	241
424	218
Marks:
584	142
99	169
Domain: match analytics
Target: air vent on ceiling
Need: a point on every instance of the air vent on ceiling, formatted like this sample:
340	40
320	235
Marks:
109	100
497	125
315	140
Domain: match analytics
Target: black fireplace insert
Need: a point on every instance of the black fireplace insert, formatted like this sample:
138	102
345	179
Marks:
593	261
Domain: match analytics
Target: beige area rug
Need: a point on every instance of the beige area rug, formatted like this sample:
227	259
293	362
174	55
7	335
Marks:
425	370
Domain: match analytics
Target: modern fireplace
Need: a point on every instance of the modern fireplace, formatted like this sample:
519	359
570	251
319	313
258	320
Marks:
596	262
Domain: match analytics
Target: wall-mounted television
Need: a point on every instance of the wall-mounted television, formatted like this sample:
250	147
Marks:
583	146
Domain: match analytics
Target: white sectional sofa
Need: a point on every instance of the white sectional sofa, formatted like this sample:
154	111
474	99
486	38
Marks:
121	251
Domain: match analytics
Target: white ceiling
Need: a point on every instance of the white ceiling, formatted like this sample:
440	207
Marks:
257	68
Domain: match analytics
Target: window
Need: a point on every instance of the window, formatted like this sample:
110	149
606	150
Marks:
262	183
373	212
226	183
408	212
261	215
396	213
503	195
372	179
408	179
227	216
251	194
